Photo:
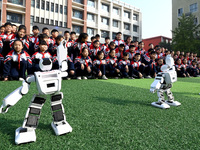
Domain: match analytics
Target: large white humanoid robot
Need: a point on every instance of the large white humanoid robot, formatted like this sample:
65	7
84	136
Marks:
163	83
48	83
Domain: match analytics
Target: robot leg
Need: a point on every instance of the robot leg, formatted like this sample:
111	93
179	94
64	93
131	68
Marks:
26	133
170	100
59	124
161	101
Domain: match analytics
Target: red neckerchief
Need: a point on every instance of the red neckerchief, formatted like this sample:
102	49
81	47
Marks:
18	61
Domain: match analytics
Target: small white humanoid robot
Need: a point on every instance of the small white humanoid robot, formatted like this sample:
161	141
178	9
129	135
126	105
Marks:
48	83
163	83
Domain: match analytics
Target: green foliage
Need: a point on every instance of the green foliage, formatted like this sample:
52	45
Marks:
112	114
186	37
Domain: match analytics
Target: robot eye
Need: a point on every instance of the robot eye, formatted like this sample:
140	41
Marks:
46	61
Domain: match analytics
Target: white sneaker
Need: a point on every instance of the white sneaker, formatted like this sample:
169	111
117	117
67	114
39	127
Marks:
21	79
84	78
78	78
104	77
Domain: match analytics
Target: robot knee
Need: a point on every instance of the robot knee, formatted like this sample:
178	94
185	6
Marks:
57	97
33	117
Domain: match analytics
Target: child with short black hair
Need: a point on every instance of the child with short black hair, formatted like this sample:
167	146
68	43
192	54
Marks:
140	49
83	65
118	39
16	63
33	39
111	46
179	68
42	53
112	65
73	36
193	69
106	44
119	51
99	66
186	67
2	29
159	64
131	52
94	49
54	34
124	65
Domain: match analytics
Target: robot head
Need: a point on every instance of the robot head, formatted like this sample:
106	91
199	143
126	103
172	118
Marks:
169	61
45	64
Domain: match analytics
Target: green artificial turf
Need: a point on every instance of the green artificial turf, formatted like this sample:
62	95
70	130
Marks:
112	114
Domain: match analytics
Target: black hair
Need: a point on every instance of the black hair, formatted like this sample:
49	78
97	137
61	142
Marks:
19	41
126	54
42	36
14	25
150	44
96	41
153	52
84	48
150	50
128	37
22	27
140	42
66	32
72	33
45	28
137	54
82	35
35	28
8	24
99	52
92	38
97	35
131	46
112	43
121	45
59	37
42	42
107	38
54	30
3	26
118	33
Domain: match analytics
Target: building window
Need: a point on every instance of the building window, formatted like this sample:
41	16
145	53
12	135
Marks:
56	8
56	23
52	22
43	4
18	2
114	35
52	7
47	21
90	31
47	6
79	1
37	19
135	17
42	20
105	21
195	21
32	20
135	38
127	14
38	4
65	24
126	26
193	8
13	17
65	10
91	3
180	12
61	9
77	29
61	23
90	17
105	7
115	11
77	14
104	34
33	3
115	23
135	28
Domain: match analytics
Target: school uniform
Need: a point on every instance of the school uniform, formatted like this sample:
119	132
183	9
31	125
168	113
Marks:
1	64
111	68
36	59
32	41
118	42
158	67
193	70
24	40
131	54
141	51
1	45
122	64
136	68
49	44
69	46
180	70
93	51
15	65
106	52
119	54
150	68
105	46
77	49
6	44
99	66
87	62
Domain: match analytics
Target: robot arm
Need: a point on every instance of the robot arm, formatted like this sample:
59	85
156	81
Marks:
157	83
16	95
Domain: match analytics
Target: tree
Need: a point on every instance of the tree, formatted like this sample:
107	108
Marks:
166	45
186	37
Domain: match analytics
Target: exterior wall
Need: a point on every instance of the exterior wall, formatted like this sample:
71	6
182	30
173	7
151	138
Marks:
185	4
155	41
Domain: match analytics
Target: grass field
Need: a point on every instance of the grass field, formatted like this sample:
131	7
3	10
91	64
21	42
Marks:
112	114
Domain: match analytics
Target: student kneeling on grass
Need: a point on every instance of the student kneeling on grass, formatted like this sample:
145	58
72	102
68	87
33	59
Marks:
112	65
16	63
99	65
42	53
124	65
83	65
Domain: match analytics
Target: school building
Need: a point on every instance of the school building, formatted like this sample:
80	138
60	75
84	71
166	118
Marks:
105	17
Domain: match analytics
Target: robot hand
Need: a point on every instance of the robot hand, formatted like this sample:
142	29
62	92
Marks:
152	90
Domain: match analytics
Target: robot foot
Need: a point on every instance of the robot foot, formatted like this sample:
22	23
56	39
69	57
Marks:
24	135
61	128
161	105
173	103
